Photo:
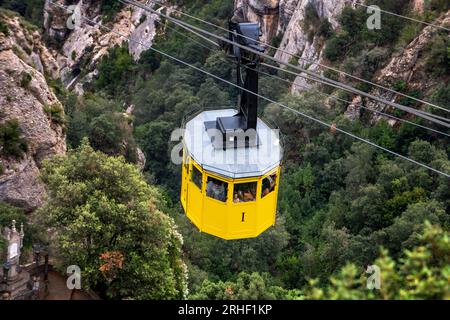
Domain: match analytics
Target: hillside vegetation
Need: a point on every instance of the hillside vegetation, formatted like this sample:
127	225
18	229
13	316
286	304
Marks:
343	205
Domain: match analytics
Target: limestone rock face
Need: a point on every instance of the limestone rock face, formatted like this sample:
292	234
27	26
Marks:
287	18
266	12
22	54
84	44
407	65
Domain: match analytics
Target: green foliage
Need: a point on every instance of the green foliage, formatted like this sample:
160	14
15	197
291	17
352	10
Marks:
102	121
109	8
33	233
342	200
56	113
437	52
29	9
365	63
315	25
252	286
237	256
337	46
109	223
339	200
422	273
25	79
437	5
114	71
4	28
11	142
442	96
354	35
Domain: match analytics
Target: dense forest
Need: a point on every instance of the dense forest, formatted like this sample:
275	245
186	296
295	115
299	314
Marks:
343	205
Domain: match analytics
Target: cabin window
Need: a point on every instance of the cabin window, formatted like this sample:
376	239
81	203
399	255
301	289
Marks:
244	192
217	189
268	185
196	177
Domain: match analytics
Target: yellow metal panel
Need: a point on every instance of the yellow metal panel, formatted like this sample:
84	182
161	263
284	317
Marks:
267	206
215	215
228	220
242	219
194	200
184	180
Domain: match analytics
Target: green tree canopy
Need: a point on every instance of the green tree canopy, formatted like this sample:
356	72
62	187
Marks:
108	222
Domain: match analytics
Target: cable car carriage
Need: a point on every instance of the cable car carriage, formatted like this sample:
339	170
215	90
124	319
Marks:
231	158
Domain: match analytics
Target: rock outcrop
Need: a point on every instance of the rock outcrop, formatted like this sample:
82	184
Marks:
86	41
26	97
289	19
408	66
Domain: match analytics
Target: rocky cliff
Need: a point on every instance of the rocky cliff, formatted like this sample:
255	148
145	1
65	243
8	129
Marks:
408	66
296	21
26	97
83	43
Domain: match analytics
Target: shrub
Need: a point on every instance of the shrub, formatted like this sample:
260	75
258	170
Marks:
11	142
109	8
437	53
437	5
442	96
103	211
25	79
325	29
55	112
114	70
4	28
315	25
336	47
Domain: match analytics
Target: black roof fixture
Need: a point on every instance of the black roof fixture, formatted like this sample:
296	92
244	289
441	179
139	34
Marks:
236	130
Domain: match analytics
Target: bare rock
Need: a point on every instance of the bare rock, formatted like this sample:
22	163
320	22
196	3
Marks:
83	47
25	102
286	18
407	65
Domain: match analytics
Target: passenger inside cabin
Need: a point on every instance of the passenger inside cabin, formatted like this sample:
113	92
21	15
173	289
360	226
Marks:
268	185
216	190
244	192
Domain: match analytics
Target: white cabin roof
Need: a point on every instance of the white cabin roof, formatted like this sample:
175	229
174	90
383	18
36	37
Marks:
233	162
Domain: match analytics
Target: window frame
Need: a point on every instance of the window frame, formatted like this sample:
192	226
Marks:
227	189
185	160
194	168
244	181
276	173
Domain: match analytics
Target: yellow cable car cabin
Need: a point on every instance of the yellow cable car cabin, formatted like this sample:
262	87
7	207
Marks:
231	162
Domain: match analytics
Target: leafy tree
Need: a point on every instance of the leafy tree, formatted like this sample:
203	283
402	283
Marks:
421	274
252	286
437	53
109	8
114	71
29	9
108	223
102	121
